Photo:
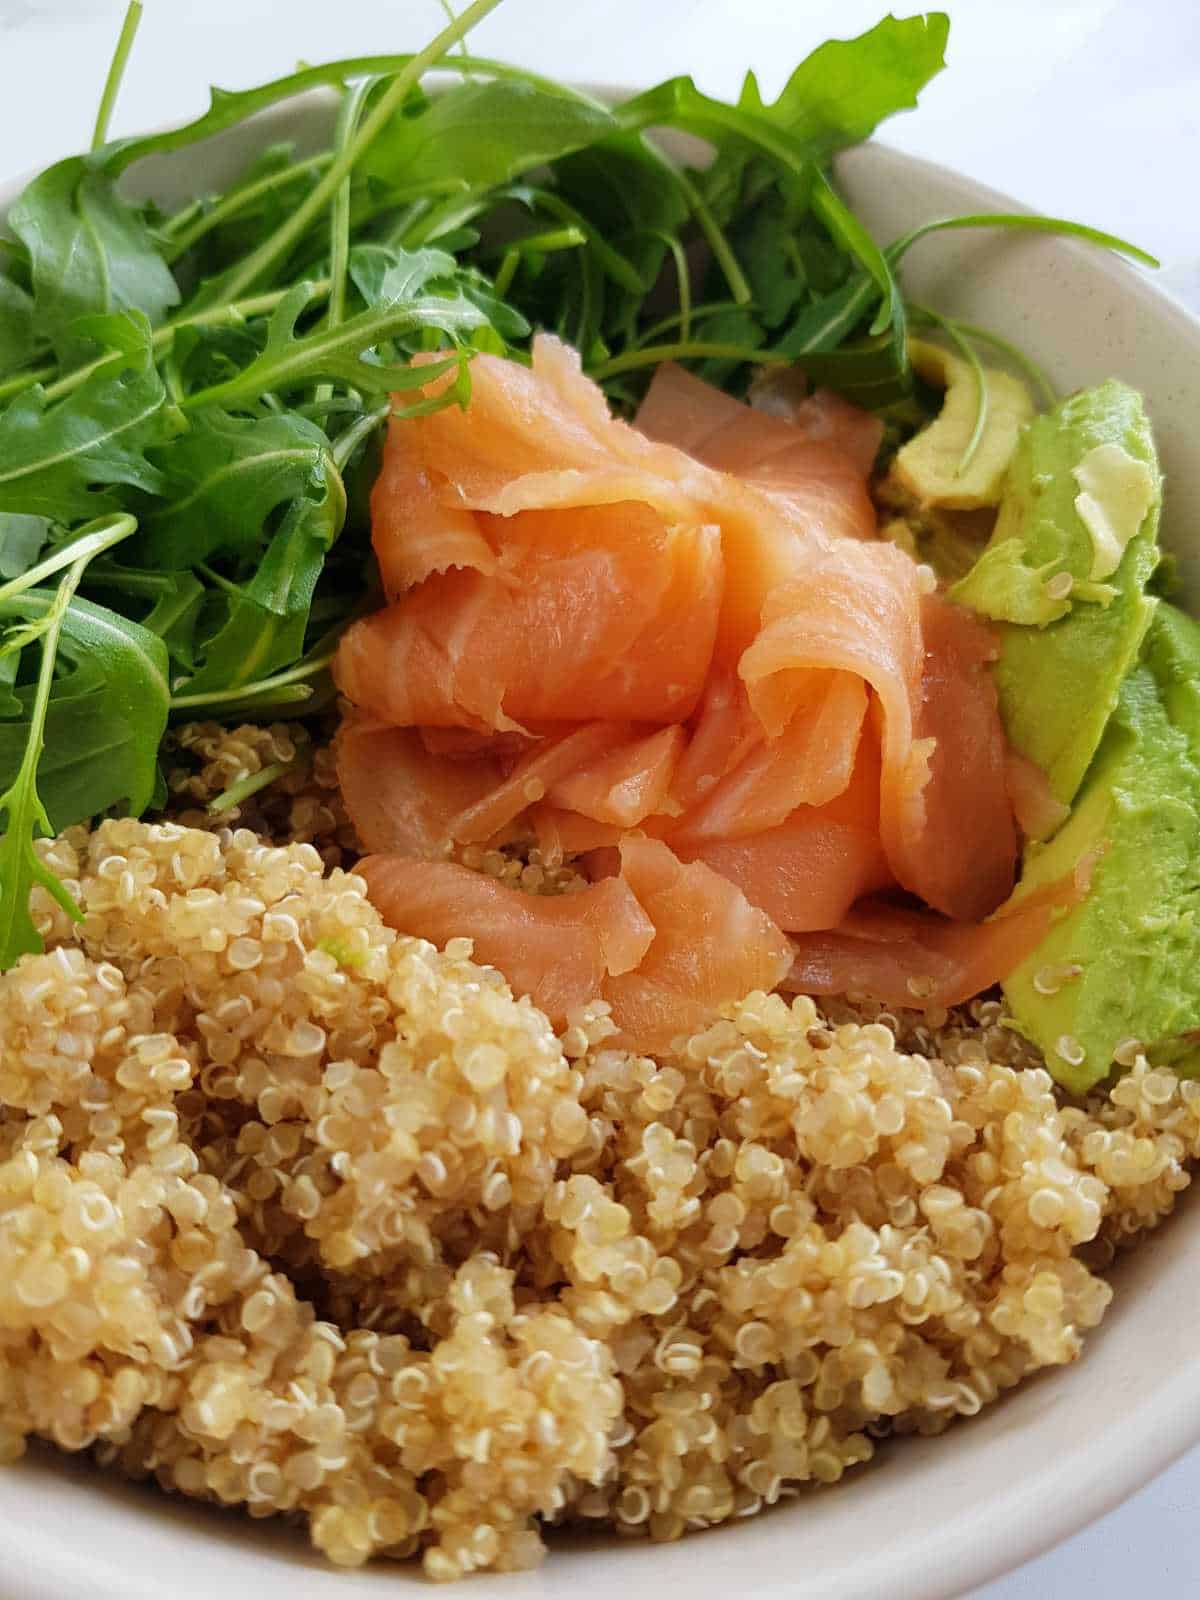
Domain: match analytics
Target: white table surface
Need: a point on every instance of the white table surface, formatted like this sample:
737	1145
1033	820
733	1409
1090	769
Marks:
1085	108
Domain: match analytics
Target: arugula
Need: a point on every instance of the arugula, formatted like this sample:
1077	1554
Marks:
526	126
58	461
290	360
21	805
268	614
222	479
19	341
106	711
90	253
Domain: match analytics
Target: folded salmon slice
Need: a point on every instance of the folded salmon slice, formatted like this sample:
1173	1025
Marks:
808	871
815	462
399	795
808	764
666	944
917	959
624	785
541	440
560	950
962	858
606	613
710	946
945	817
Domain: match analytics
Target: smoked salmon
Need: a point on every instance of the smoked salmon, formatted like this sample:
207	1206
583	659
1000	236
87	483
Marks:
666	944
678	655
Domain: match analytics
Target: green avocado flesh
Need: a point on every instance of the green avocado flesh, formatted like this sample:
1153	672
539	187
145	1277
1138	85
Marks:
1063	657
1123	964
1099	684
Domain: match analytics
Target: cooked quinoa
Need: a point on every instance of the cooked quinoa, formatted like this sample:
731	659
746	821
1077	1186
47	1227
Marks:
298	1214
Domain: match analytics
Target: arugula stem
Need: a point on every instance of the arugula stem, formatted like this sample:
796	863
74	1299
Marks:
254	782
967	351
183	233
846	230
217	581
263	688
683	286
696	350
25	814
339	218
272	249
110	532
709	308
1017	356
507	271
722	250
1029	222
348	442
116	71
339	252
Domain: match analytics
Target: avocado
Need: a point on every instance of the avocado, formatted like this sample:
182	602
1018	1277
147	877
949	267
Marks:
1065	576
1122	964
928	471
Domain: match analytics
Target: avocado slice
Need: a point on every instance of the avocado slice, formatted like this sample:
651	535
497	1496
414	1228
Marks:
1065	575
1122	964
928	471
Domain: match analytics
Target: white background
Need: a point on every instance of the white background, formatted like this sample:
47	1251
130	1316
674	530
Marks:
1085	108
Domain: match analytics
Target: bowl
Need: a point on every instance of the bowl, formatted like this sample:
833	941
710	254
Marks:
929	1518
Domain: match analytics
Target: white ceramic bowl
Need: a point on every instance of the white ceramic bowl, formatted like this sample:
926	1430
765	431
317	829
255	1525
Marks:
930	1518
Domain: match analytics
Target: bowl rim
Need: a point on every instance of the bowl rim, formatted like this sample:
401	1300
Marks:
1105	1468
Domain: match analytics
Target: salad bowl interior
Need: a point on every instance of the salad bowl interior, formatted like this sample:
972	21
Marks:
931	1517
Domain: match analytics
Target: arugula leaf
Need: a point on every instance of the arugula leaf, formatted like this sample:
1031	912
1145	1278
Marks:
222	480
486	133
19	343
384	274
104	718
269	614
290	360
90	254
175	600
840	93
21	539
228	107
56	461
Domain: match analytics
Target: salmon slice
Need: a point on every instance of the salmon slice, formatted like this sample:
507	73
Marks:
962	858
623	786
1037	811
945	816
541	442
415	529
619	624
667	944
710	947
916	958
558	949
561	835
401	797
808	871
823	416
538	771
722	731
817	459
810	763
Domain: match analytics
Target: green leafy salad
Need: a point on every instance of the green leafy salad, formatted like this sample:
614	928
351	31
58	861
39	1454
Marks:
192	402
